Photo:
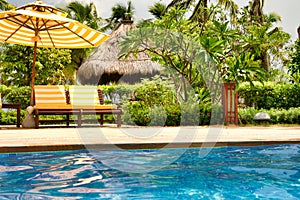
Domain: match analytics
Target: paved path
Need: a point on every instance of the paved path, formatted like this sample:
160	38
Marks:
13	139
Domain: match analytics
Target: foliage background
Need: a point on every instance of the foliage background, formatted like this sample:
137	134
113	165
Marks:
269	95
16	65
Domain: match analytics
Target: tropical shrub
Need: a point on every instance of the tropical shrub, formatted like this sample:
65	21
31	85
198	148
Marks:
246	115
277	116
190	114
114	93
136	112
270	95
293	66
154	103
149	103
173	115
158	115
4	90
19	95
10	117
16	65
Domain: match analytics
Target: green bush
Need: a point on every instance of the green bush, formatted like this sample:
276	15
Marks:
4	90
246	115
126	117
13	95
113	93
205	114
139	113
215	115
173	115
158	115
277	116
19	95
155	92
270	95
153	102
10	117
190	114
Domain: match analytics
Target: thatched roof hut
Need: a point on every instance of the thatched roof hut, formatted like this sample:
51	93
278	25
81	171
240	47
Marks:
103	65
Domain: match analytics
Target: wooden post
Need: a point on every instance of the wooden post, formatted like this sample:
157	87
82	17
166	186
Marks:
230	103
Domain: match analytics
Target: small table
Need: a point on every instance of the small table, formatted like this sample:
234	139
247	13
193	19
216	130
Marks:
14	106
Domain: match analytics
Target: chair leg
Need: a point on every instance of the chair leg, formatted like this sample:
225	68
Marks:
18	116
37	119
101	119
68	119
119	120
79	118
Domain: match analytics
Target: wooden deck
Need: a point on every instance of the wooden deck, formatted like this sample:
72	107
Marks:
45	139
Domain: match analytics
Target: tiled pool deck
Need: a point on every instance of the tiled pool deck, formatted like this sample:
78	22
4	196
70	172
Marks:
19	139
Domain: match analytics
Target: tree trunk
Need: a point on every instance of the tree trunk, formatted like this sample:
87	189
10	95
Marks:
265	62
205	7
257	11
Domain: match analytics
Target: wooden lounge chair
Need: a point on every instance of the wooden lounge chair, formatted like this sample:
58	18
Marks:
78	100
88	100
51	100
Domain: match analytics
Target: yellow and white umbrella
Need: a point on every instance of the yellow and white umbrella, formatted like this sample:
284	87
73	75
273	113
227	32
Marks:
40	25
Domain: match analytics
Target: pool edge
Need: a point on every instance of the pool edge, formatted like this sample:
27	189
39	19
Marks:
42	148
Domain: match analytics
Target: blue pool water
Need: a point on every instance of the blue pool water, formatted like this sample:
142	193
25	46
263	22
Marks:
262	172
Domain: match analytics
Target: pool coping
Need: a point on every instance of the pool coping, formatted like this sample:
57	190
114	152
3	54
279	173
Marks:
56	139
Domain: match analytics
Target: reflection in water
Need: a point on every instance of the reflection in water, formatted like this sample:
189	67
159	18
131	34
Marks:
13	168
83	181
274	192
61	175
276	173
226	173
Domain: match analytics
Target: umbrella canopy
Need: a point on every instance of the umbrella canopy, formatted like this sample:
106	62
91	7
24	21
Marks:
104	65
40	25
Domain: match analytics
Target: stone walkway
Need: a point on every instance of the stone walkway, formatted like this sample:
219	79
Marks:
18	139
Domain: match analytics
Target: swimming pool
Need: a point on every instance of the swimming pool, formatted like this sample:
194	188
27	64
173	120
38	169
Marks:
262	172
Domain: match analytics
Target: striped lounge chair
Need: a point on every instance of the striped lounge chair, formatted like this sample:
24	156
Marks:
78	100
89	100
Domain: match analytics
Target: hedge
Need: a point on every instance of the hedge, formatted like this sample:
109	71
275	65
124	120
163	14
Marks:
10	117
269	95
153	103
278	116
19	95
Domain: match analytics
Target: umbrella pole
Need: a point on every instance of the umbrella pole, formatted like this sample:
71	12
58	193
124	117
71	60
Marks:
32	96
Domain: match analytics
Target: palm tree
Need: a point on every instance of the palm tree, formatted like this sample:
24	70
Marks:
119	13
257	17
199	11
158	10
122	12
200	14
200	8
86	14
3	4
256	11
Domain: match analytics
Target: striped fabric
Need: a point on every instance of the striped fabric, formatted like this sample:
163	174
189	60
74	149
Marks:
50	96
53	29
86	97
